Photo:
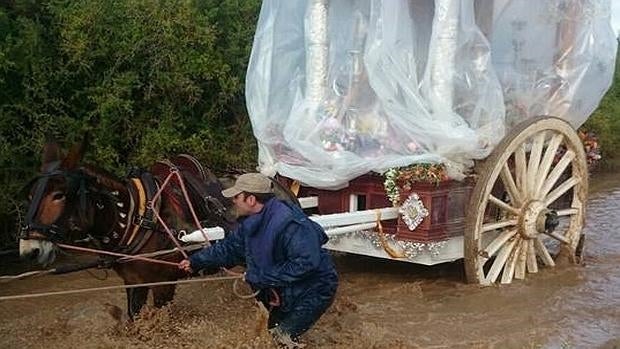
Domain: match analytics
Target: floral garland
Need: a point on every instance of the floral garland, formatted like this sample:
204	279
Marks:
391	189
403	178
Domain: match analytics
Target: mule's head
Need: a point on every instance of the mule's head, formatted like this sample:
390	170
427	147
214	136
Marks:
54	208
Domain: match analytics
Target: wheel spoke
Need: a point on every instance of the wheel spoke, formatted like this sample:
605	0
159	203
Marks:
561	189
522	260
559	237
498	225
532	264
499	241
543	253
500	261
521	170
556	173
503	205
534	162
545	164
511	187
509	269
568	212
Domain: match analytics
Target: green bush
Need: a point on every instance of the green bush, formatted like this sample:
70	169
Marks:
605	122
145	78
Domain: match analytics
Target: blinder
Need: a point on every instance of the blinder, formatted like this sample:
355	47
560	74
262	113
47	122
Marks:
76	183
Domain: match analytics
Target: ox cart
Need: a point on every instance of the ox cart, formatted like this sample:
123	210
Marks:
427	132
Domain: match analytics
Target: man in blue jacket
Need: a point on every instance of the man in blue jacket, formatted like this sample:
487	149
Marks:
282	251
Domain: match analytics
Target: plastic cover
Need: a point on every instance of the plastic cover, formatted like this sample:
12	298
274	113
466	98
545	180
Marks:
336	89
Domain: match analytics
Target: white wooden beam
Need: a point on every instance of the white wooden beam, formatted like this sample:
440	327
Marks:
309	202
359	217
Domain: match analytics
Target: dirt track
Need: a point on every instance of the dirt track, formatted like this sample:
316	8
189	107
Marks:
380	305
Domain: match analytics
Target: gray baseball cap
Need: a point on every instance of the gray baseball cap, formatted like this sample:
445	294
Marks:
251	183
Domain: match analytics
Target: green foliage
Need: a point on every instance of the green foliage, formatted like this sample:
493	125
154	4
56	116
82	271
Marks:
145	78
605	122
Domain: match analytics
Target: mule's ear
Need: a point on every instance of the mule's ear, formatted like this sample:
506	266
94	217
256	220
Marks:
51	152
75	154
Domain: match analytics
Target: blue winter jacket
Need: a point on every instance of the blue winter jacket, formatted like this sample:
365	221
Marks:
281	249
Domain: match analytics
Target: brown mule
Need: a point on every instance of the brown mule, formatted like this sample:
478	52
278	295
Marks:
75	203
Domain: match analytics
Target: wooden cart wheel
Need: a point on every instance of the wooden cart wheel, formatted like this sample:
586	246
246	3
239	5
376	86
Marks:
527	208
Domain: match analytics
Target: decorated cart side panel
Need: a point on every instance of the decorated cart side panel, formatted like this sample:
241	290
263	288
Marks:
376	112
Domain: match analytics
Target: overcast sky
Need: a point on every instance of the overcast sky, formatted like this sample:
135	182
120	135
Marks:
615	15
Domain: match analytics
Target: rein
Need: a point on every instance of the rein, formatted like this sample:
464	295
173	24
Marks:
150	206
53	233
118	287
174	171
64	269
115	254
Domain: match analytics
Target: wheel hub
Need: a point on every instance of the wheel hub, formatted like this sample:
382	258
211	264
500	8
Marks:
533	219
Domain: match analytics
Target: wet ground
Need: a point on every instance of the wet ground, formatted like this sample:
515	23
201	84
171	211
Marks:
380	304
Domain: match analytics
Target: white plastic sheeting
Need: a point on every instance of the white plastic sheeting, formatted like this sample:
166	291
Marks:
339	88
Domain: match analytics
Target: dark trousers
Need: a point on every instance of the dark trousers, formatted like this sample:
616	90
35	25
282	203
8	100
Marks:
304	311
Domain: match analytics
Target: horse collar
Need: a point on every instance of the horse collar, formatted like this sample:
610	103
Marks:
141	213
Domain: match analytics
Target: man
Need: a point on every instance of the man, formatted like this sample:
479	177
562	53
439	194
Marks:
282	251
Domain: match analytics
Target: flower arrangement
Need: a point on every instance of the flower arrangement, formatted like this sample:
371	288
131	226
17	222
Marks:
397	179
591	147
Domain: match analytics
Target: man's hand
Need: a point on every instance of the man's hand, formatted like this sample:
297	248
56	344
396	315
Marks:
186	266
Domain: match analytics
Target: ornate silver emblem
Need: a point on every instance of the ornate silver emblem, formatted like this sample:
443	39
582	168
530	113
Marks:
413	211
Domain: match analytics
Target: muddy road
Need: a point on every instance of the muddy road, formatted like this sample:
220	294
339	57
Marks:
380	304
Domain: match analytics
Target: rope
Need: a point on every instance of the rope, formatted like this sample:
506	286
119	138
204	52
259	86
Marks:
10	252
142	257
135	257
161	252
160	220
191	207
386	246
7	278
238	294
116	287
